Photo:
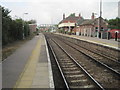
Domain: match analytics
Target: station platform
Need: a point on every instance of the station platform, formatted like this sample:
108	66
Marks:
37	71
109	43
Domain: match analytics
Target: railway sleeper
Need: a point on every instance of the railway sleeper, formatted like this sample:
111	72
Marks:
85	86
72	76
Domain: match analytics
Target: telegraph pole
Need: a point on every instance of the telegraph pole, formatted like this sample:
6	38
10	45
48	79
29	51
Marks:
99	20
100	8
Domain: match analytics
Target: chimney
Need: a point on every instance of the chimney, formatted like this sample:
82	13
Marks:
93	16
79	15
63	16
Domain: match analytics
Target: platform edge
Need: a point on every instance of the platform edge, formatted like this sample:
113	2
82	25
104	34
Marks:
49	66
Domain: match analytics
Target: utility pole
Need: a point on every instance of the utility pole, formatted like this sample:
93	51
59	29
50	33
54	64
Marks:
119	9
99	20
69	27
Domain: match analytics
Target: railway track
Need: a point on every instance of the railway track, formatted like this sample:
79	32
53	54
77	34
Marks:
94	49
109	63
103	76
74	75
97	52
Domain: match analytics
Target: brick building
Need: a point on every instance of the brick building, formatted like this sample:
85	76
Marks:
89	27
69	23
32	28
85	27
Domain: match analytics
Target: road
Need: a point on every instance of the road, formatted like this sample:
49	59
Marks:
13	66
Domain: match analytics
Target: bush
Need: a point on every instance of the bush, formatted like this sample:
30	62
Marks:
12	30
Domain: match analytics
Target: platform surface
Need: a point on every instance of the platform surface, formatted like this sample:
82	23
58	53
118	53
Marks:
109	43
29	66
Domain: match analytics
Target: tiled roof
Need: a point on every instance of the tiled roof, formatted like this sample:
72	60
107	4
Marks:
80	21
87	21
72	19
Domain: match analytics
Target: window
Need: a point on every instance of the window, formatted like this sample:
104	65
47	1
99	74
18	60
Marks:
96	27
102	28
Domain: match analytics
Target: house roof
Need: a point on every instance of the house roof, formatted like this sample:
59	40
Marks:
78	20
71	19
87	21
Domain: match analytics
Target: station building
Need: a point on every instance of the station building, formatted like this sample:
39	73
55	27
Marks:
85	27
69	23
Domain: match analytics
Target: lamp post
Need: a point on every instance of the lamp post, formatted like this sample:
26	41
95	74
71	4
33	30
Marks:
23	24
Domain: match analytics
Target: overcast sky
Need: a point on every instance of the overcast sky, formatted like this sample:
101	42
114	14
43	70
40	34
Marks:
51	11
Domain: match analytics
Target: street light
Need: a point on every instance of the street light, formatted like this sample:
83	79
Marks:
23	24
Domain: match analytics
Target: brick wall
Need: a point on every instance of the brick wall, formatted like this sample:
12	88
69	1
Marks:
32	27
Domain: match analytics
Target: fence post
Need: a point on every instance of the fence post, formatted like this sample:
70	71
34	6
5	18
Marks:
108	36
116	36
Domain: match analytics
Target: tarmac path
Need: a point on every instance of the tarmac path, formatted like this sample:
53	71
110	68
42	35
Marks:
13	66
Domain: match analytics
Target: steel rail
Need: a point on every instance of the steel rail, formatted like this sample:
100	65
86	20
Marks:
111	58
96	82
106	56
116	72
67	86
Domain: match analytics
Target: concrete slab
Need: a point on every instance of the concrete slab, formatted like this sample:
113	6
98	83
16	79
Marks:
40	86
13	66
41	79
104	42
37	73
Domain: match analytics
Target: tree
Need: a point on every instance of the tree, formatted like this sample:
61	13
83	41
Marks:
26	29
114	23
12	30
5	12
6	20
32	21
19	29
73	14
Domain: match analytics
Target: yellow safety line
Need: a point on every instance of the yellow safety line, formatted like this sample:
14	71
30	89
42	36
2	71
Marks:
26	78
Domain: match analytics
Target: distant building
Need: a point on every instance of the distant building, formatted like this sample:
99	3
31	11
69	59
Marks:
69	23
84	27
89	27
32	27
119	9
47	27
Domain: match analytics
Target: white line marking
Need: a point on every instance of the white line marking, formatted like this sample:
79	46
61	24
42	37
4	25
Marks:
49	66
